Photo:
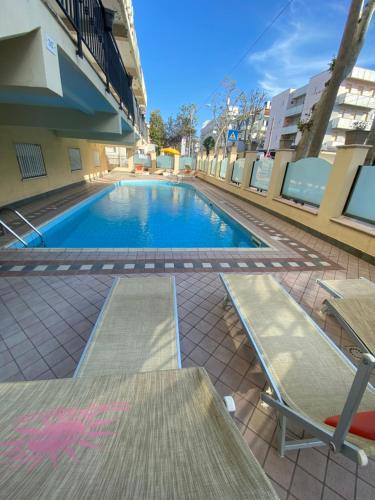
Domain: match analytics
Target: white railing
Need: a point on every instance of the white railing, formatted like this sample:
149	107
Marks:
361	101
295	110
348	124
290	129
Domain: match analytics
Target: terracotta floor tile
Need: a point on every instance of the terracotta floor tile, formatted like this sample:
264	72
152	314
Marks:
257	445
244	410
214	366
262	425
231	378
223	354
208	344
364	491
199	356
69	306
314	462
279	469
305	486
340	480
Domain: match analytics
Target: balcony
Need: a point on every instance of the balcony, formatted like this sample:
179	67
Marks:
126	39
88	20
44	84
359	101
295	110
363	74
347	123
290	129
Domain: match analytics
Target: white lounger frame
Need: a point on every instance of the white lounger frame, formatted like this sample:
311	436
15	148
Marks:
98	322
327	308
322	437
333	292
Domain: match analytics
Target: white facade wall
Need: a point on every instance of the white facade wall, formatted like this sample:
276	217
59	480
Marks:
355	103
276	120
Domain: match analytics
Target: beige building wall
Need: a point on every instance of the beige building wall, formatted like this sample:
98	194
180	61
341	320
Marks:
328	219
56	159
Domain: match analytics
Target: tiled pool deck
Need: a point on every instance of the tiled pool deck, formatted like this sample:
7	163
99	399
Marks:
49	302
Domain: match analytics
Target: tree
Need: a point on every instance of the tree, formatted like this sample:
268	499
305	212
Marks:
208	144
186	122
251	105
184	125
224	108
356	27
171	137
157	130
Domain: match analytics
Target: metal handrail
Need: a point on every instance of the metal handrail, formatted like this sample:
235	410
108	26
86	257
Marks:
22	217
28	223
2	223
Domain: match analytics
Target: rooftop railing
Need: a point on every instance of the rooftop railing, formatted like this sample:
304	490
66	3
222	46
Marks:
90	21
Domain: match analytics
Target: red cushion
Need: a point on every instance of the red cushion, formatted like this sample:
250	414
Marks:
363	424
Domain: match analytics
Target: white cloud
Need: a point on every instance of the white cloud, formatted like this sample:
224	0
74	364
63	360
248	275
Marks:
304	44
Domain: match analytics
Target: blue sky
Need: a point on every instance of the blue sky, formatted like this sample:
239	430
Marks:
189	47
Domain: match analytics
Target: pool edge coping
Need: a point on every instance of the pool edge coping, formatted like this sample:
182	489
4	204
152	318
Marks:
269	248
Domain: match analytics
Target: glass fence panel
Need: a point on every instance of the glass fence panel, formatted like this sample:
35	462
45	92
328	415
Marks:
223	168
141	159
238	169
186	163
164	161
261	174
361	203
213	167
305	180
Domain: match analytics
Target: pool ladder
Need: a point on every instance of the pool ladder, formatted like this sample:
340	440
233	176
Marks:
11	231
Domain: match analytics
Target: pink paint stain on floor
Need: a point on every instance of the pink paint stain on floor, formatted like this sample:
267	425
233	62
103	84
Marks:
60	430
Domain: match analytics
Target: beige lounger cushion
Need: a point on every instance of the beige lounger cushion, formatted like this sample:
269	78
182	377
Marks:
136	331
312	376
359	315
350	287
175	441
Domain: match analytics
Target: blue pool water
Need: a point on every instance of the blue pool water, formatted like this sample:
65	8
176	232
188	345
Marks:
146	214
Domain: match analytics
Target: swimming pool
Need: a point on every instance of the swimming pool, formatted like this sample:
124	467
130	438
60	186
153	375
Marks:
145	214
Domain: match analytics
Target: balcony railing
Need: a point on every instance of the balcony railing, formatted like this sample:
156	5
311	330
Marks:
88	20
360	101
294	110
348	124
289	129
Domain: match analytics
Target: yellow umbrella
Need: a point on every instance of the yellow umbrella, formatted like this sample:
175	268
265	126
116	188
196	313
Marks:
170	151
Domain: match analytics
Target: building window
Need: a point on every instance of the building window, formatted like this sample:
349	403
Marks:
75	159
96	158
30	160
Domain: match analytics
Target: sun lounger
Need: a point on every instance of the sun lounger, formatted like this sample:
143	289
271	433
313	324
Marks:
160	435
159	171
310	378
348	288
136	331
357	316
353	305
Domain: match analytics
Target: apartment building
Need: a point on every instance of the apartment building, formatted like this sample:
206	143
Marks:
354	107
71	83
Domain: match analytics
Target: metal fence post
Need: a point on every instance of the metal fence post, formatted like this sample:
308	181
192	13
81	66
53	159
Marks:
77	21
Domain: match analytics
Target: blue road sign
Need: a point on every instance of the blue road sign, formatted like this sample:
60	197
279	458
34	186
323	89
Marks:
232	135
